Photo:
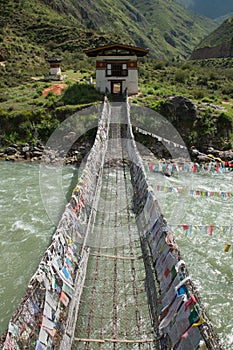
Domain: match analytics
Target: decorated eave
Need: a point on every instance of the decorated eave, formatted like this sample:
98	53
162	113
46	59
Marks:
116	50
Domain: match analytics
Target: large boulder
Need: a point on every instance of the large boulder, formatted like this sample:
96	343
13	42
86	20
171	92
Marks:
179	109
182	113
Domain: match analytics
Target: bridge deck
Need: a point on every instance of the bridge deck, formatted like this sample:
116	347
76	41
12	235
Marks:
114	311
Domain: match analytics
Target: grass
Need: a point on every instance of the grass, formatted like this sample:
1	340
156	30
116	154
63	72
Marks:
194	79
28	96
24	111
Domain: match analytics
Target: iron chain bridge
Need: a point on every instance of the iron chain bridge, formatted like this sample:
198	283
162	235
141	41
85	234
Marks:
113	276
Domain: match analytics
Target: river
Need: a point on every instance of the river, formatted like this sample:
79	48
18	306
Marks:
209	266
26	230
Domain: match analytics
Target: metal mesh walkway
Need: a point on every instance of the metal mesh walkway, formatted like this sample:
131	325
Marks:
114	310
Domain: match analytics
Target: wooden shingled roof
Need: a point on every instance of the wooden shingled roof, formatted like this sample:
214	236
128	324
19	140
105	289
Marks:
116	49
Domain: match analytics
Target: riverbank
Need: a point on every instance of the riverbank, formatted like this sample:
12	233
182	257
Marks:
39	152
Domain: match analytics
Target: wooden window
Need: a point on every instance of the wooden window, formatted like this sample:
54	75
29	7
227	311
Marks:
124	70
117	70
109	69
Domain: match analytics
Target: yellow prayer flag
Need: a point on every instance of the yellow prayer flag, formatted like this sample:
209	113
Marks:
227	247
200	322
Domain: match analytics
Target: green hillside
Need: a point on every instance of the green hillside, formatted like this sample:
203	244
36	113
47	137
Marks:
173	29
164	27
29	29
222	34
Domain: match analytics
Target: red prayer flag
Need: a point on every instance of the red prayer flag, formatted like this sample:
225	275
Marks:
210	230
64	298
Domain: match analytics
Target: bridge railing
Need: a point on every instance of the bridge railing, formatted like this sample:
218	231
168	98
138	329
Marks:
47	314
178	316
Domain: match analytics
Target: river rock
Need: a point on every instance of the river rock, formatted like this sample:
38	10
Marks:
25	149
10	151
10	158
228	155
14	145
36	153
224	155
203	158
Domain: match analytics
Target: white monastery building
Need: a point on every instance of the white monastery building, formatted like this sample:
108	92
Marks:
116	67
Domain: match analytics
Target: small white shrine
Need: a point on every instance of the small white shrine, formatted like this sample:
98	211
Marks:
116	67
55	69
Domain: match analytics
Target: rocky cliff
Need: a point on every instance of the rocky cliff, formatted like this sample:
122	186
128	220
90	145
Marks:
219	51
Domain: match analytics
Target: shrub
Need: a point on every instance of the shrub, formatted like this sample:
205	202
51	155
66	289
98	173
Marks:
160	64
207	100
203	81
181	76
228	89
150	91
79	94
198	93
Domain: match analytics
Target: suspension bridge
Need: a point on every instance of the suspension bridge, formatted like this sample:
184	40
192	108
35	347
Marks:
113	276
